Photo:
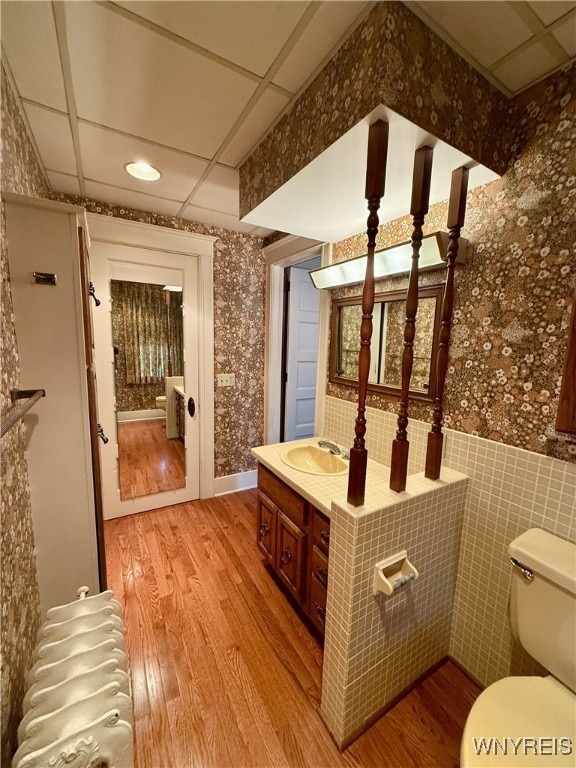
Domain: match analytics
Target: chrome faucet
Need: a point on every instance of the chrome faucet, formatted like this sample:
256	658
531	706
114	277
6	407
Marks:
323	443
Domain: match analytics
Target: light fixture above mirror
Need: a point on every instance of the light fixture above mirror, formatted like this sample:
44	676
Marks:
394	260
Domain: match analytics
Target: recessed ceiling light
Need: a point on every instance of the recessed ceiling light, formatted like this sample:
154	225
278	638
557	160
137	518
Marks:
143	171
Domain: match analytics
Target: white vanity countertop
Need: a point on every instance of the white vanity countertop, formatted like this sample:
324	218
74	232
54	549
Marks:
322	490
180	391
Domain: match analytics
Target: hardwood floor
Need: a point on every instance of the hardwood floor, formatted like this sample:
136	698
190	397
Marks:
148	461
224	672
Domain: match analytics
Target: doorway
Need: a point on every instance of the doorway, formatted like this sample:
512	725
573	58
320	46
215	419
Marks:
154	359
300	351
290	251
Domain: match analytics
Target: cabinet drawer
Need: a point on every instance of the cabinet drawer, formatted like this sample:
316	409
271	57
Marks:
317	604
319	566
283	496
321	530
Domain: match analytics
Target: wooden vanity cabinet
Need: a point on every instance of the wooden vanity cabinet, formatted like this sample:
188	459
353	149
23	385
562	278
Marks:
294	538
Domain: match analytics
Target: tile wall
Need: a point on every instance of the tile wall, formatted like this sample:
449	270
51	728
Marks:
510	490
376	646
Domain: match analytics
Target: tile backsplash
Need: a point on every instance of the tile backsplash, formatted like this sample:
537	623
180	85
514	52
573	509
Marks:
510	490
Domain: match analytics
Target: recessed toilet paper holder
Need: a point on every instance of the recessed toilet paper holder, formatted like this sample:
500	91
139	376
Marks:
393	572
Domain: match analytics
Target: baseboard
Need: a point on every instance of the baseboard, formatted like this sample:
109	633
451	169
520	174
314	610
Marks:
152	413
241	481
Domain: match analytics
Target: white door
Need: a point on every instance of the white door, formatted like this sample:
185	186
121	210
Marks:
302	355
114	261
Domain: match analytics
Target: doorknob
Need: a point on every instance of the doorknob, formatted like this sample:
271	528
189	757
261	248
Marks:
191	406
92	292
101	434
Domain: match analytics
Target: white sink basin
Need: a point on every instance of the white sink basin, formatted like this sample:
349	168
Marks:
314	460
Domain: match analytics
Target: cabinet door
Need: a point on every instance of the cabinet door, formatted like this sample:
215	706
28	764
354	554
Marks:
290	554
266	528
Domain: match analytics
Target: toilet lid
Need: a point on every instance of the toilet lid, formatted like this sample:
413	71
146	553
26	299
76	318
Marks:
521	721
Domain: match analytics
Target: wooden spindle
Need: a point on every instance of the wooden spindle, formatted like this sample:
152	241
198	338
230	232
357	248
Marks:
375	178
418	209
456	213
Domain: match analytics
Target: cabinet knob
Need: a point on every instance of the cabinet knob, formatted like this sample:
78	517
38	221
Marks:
322	575
264	528
320	612
325	536
286	556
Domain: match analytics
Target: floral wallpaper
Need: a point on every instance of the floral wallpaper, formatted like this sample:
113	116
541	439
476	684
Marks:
20	611
239	281
393	59
135	395
514	296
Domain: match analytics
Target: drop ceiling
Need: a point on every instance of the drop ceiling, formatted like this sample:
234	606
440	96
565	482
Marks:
192	87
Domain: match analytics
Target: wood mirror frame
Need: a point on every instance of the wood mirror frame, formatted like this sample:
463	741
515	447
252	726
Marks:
425	292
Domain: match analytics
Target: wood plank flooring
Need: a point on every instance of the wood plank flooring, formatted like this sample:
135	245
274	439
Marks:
148	461
224	672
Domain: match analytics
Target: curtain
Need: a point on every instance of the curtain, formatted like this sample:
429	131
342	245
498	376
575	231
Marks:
149	332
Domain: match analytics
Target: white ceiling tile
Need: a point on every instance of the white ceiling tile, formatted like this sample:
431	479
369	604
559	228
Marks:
257	122
63	182
216	219
565	34
127	198
324	31
526	66
219	191
550	10
229	29
105	153
53	138
465	22
148	85
29	39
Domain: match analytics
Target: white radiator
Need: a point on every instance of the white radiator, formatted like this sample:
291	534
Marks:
78	708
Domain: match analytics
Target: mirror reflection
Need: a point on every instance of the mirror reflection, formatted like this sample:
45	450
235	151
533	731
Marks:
387	342
147	333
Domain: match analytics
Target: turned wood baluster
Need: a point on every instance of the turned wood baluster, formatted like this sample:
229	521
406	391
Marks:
418	209
375	177
456	212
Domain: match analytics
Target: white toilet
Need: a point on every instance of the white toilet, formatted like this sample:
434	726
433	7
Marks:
531	721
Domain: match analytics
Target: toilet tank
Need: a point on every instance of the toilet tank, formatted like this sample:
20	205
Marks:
543	610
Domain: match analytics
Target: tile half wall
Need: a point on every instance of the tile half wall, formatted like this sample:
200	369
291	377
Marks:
510	490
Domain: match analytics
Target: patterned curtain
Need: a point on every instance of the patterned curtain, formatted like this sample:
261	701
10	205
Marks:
149	332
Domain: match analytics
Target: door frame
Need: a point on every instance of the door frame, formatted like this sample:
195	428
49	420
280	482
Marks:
150	237
288	252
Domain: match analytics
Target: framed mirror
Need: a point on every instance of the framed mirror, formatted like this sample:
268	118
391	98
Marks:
387	342
148	343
